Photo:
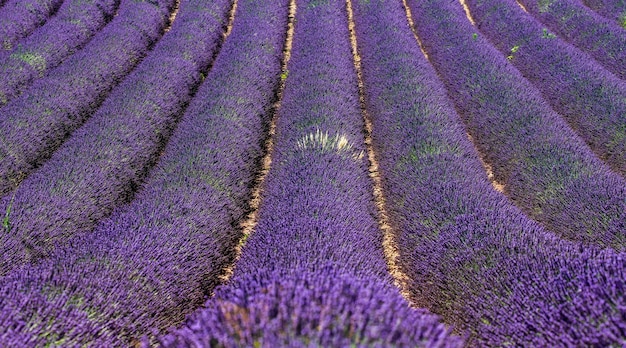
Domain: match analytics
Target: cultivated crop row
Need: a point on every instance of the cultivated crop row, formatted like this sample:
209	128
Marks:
590	98
104	161
72	27
153	261
612	9
585	29
36	123
546	169
315	261
469	254
311	173
18	18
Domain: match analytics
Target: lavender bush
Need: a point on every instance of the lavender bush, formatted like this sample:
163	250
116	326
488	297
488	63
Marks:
155	260
546	169
471	255
73	26
612	9
591	99
19	18
103	162
33	125
313	273
585	29
297	308
216	193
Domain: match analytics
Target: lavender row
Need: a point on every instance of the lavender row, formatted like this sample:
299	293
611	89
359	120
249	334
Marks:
34	124
19	18
163	253
103	162
591	99
585	29
313	271
471	256
71	28
546	169
611	9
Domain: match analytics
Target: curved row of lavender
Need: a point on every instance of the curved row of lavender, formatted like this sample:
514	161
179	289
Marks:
547	170
585	29
590	98
612	9
313	272
72	27
37	122
18	18
156	260
102	163
471	255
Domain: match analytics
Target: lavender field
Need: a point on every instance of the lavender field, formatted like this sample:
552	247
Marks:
313	173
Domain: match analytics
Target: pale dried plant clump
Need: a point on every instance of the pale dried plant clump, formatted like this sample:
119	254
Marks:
326	143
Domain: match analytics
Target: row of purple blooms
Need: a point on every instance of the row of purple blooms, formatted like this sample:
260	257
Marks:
153	260
103	162
611	9
471	255
599	37
148	264
70	29
18	18
591	99
546	168
36	123
313	272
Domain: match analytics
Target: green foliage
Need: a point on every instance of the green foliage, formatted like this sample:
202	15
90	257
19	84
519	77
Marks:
513	50
546	34
6	223
37	61
316	3
544	5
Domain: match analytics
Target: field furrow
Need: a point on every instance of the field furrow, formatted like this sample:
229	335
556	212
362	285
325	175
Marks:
74	25
585	29
18	18
35	124
470	254
591	99
313	271
102	164
547	170
185	217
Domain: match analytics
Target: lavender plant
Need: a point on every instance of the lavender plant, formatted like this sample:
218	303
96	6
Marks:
36	123
585	29
612	9
72	27
103	162
591	99
155	260
469	254
313	272
19	18
546	169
